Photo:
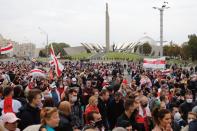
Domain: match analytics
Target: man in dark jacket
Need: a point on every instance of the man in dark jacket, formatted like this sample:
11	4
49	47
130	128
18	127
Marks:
102	105
76	111
30	114
116	108
193	125
129	115
187	106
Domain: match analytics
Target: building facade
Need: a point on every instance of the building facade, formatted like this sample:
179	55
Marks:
19	50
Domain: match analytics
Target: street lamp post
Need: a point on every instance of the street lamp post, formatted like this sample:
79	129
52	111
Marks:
161	10
47	40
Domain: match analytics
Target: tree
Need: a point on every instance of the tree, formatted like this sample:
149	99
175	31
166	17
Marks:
185	52
192	45
42	53
166	50
58	48
172	50
146	48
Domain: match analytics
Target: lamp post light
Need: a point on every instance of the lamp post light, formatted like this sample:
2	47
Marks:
161	10
47	40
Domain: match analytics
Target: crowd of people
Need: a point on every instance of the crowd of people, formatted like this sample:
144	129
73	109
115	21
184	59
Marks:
97	97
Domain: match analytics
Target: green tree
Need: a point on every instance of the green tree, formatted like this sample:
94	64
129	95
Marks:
42	53
166	50
192	45
146	48
185	51
58	48
172	50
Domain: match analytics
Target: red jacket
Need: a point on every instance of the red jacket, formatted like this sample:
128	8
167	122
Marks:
91	108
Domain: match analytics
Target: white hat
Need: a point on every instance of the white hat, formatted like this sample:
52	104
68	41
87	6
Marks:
53	85
74	79
9	117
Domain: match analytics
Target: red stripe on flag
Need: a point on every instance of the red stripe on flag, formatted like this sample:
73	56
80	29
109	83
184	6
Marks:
36	70
58	71
155	62
9	47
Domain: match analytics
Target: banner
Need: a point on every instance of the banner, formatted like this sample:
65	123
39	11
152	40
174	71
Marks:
157	63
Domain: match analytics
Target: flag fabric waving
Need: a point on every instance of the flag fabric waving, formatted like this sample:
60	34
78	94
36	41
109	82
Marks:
37	72
58	66
158	63
6	49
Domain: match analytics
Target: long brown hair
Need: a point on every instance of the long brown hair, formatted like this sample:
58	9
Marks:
159	114
46	114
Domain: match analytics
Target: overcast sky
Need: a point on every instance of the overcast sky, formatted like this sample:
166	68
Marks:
76	21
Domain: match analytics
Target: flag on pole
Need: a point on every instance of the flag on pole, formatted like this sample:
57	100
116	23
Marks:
51	62
6	49
158	63
58	66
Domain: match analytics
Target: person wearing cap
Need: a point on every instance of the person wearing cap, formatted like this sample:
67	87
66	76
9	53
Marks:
55	93
9	122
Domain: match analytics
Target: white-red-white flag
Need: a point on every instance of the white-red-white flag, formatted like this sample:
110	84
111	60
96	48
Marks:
51	62
158	63
37	72
6	49
58	66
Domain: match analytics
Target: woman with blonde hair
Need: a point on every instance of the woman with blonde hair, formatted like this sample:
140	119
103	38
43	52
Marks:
49	119
92	106
65	117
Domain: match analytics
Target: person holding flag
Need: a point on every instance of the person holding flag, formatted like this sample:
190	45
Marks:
58	66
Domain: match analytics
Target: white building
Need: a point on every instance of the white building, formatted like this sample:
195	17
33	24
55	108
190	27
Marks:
19	50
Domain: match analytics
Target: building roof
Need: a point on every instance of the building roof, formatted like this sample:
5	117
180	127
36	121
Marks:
74	50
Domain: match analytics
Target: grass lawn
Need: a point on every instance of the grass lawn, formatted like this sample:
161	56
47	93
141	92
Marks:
122	56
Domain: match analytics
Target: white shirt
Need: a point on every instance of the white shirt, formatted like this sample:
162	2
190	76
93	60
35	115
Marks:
16	105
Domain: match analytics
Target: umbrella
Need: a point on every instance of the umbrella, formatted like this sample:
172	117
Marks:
37	73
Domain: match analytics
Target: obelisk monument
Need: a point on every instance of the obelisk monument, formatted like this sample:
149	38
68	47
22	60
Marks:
107	32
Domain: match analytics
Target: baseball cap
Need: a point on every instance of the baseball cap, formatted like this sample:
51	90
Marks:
9	117
53	85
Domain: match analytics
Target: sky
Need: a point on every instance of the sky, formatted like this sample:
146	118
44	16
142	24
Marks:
79	21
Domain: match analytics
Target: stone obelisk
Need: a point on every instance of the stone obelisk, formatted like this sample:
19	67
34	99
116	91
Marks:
107	32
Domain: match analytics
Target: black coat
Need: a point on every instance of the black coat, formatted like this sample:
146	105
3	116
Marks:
115	110
193	125
185	108
29	116
102	106
65	123
131	120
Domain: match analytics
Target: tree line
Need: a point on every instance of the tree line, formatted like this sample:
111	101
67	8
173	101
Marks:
186	51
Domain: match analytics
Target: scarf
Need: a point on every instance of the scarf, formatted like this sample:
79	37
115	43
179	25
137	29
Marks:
7	106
